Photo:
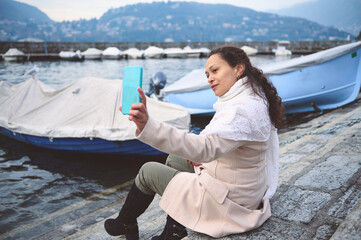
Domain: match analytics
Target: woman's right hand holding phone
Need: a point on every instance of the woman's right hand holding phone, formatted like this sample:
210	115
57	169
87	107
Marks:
139	113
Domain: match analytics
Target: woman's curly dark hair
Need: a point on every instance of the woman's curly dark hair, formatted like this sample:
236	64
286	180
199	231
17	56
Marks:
233	56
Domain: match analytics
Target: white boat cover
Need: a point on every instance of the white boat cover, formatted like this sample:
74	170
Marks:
87	108
205	50
70	54
92	51
153	50
13	52
134	53
112	51
175	52
249	50
193	81
196	80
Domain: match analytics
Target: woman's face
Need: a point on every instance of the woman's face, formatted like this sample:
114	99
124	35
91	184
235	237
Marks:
221	76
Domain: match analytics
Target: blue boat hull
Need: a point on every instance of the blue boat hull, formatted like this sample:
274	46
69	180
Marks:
197	102
319	87
84	145
325	86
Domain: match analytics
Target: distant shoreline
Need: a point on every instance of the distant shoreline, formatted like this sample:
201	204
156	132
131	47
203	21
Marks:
51	49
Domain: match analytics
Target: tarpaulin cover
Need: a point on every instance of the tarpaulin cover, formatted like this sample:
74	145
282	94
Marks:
86	108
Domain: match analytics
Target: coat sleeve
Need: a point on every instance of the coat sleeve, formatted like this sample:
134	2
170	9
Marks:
198	148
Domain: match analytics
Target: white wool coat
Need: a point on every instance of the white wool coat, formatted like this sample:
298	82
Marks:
224	195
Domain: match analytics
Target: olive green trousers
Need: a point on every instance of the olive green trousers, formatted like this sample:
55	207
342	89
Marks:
153	177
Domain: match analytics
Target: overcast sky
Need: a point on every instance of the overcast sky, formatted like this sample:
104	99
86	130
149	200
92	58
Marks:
60	10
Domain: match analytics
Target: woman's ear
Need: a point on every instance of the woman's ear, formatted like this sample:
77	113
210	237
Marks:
240	70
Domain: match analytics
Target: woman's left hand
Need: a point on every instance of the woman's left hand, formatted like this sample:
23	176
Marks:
139	113
194	163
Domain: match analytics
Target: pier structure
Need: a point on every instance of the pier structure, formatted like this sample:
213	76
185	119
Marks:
51	50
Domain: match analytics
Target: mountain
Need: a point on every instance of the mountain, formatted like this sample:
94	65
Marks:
20	20
167	21
17	11
344	15
191	21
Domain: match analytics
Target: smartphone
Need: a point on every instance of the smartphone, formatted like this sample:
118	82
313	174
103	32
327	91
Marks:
132	79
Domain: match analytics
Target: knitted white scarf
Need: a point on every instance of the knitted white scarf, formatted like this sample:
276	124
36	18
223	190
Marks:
241	115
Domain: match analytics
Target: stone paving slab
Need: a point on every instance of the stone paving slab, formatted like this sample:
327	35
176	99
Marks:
270	230
299	205
346	203
350	228
331	174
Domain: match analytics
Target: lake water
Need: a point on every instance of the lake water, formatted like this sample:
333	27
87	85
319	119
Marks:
60	73
38	182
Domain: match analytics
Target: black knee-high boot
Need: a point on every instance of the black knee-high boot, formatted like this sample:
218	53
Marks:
126	222
173	230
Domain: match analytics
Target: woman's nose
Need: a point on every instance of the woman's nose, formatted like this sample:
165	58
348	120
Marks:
210	79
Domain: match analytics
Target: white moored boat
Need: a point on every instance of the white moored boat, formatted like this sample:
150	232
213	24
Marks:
175	53
71	56
92	54
282	51
14	55
112	53
192	52
204	52
133	53
250	51
153	52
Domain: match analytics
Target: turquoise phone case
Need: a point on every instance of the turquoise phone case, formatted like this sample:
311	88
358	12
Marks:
132	79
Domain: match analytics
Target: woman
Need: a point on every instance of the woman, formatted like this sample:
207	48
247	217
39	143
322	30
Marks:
218	182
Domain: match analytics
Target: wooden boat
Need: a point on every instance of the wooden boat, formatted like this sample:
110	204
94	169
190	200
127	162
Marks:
82	117
324	80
